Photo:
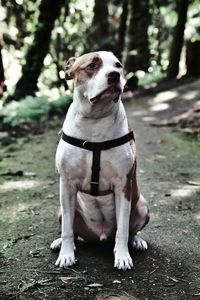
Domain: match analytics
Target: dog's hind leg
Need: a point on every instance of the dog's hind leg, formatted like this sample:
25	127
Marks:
56	244
138	219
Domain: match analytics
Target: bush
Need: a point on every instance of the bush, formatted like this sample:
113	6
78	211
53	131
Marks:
31	109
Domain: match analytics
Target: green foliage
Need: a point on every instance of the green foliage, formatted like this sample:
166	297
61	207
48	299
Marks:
151	77
32	109
59	106
192	31
73	29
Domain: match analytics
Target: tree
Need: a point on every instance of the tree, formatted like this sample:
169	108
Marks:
122	29
193	58
98	33
137	54
178	37
2	77
27	84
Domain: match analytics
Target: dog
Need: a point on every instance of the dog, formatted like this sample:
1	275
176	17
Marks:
96	161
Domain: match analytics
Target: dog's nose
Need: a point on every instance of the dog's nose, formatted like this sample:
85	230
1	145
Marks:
114	75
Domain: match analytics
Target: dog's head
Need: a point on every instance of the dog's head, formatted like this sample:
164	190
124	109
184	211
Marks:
97	76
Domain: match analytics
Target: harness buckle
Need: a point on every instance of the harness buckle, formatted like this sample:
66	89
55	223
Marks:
84	143
94	182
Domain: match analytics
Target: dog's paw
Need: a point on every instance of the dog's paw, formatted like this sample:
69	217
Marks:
56	245
123	261
138	243
65	260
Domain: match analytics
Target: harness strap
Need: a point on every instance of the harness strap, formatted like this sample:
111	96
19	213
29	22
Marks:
96	148
94	184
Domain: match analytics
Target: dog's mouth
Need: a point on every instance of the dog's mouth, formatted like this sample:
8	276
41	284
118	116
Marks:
112	93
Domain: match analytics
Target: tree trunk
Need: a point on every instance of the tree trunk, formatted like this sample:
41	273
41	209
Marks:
100	20
193	59
2	78
177	41
27	84
137	54
98	34
122	30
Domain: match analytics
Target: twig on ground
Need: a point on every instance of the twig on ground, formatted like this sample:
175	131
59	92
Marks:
154	270
174	279
59	272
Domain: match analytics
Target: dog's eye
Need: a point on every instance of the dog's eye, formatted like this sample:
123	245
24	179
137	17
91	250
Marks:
92	66
118	65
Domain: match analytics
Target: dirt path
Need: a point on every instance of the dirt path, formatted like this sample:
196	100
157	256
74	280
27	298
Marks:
169	176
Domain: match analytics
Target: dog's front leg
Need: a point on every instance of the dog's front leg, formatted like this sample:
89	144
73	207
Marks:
68	195
122	257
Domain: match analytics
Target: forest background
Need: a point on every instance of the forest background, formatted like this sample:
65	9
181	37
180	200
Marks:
157	41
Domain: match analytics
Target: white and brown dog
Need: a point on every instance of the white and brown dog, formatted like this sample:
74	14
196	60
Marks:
96	161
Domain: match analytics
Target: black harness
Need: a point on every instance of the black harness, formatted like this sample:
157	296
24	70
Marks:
96	148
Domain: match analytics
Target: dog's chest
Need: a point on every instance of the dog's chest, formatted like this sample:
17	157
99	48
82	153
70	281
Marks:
77	163
98	213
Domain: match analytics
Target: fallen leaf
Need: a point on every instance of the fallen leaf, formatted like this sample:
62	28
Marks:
29	174
50	196
95	285
66	279
116	281
158	157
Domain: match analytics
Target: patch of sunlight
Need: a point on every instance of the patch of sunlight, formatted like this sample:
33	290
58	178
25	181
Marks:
197	216
148	119
47	60
19	185
190	95
164	96
14	212
139	113
13	70
62	74
140	73
159	107
2	16
60	30
20	2
50	93
13	31
185	191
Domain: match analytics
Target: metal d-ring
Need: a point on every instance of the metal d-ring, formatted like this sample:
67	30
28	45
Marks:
84	144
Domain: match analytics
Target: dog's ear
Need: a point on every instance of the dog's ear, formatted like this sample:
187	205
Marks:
68	68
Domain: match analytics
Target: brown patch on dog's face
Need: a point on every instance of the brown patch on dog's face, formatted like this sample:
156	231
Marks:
82	68
131	190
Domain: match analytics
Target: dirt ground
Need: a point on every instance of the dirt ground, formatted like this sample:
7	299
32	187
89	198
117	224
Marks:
169	177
